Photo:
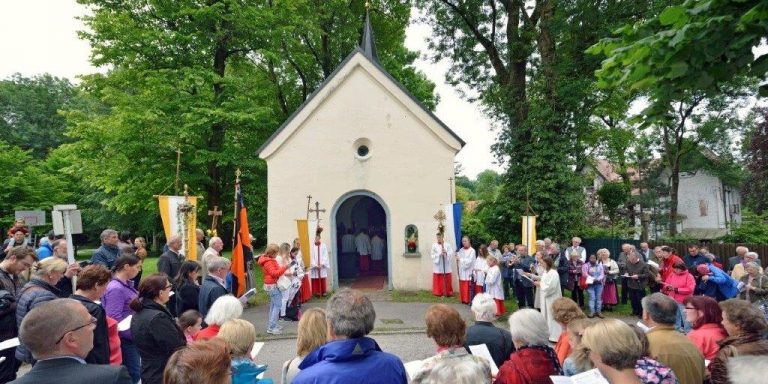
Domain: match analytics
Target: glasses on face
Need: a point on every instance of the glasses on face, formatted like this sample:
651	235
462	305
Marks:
92	321
26	264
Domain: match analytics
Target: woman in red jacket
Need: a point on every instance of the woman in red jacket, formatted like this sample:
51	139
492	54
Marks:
679	285
534	360
705	316
272	271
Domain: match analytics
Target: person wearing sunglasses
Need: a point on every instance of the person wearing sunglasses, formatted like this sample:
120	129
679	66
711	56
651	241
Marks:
60	346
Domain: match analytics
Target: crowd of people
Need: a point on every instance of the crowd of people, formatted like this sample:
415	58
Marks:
700	317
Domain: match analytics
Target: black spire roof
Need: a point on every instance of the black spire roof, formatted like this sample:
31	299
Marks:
368	44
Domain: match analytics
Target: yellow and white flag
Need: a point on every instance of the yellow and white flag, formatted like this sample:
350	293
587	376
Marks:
529	233
179	215
306	230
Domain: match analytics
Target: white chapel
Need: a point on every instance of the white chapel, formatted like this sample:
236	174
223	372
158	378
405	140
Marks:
374	158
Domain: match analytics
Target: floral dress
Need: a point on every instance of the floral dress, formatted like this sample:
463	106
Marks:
650	371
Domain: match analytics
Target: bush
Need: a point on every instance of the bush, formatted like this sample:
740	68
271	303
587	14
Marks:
752	229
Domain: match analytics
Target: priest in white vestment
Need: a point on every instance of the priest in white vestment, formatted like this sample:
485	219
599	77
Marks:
318	266
363	246
549	291
378	245
479	268
494	283
465	258
441	255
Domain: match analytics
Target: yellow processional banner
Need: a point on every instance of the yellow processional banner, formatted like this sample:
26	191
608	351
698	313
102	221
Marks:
306	230
529	233
179	215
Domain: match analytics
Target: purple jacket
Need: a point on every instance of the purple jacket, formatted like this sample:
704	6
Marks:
598	275
116	300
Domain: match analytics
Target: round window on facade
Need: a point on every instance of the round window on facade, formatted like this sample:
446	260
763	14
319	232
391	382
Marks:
362	148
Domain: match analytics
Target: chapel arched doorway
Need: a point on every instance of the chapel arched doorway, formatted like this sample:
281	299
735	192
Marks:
361	221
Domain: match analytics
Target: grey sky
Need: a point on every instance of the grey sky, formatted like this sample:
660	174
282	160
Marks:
41	36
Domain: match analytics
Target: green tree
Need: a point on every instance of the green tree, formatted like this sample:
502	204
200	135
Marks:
27	184
756	186
696	46
612	196
213	80
526	62
29	111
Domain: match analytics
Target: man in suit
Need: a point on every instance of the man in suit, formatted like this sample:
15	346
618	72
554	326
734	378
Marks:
214	284
60	346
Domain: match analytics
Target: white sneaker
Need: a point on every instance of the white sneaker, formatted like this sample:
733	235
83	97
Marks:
274	331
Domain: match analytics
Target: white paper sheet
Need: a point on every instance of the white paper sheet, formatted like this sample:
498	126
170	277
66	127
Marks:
590	280
125	324
412	368
256	349
10	343
481	350
642	326
247	295
592	376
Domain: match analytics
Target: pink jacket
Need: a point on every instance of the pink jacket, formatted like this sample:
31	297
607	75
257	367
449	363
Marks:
684	283
706	337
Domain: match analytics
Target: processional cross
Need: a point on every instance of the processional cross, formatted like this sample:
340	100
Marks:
317	211
215	214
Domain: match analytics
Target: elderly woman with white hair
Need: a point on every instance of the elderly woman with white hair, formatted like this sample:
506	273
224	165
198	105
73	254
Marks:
740	269
457	371
754	284
498	341
534	361
223	309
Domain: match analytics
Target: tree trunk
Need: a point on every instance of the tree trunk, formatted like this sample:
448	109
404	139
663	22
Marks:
673	188
216	139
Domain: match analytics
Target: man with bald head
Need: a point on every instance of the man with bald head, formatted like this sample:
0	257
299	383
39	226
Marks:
60	346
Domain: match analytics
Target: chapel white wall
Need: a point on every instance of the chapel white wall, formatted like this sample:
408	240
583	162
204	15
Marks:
409	169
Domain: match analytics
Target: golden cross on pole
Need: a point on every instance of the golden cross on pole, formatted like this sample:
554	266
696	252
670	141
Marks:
215	213
317	211
440	217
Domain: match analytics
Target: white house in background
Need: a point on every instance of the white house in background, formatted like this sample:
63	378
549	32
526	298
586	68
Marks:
707	206
372	156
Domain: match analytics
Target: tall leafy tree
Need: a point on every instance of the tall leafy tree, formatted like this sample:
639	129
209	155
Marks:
756	159
29	108
212	79
696	46
526	62
27	184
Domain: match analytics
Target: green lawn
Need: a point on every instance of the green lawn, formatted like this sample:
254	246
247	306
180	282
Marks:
420	296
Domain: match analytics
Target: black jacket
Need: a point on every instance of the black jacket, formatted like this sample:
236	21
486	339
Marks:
187	297
209	292
156	336
498	341
100	352
525	264
169	263
70	371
